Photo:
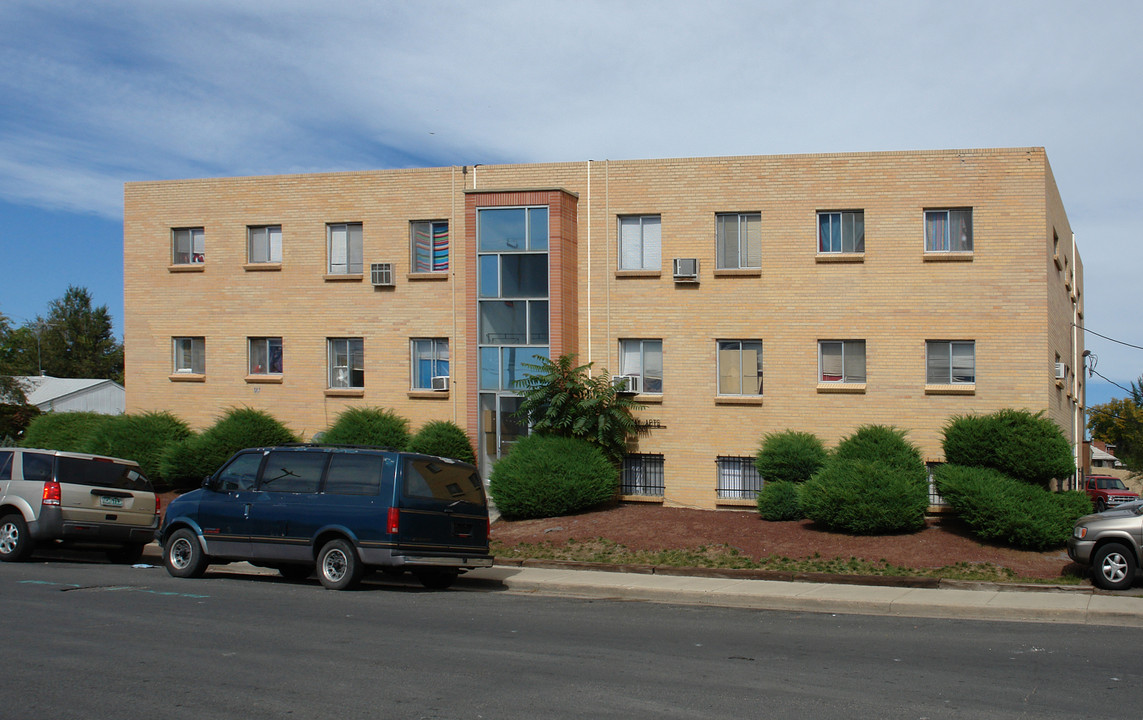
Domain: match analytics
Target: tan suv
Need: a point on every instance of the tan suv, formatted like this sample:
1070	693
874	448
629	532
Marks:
76	499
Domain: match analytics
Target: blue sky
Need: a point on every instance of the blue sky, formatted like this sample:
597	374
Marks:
98	94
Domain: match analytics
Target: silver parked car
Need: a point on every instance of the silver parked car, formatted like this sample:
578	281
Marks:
1110	543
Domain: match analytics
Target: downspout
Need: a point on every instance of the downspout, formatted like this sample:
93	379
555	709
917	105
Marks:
589	262
452	283
1079	408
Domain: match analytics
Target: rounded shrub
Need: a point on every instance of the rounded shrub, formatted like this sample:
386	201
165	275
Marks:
789	456
1020	444
141	437
185	463
1001	509
66	431
548	476
779	501
883	444
443	438
866	497
377	427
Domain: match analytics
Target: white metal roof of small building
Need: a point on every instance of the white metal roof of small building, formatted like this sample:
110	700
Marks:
45	391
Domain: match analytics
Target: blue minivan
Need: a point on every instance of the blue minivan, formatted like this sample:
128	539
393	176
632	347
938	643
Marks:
333	510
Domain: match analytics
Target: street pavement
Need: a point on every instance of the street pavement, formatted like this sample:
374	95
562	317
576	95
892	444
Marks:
1079	605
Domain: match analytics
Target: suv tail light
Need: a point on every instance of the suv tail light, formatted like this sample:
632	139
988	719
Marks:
158	505
51	493
394	524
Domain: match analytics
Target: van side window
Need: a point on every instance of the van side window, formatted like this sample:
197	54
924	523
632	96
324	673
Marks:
442	481
37	467
240	473
354	474
5	464
292	471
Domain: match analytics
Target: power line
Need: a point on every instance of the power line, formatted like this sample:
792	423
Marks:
1093	371
1093	332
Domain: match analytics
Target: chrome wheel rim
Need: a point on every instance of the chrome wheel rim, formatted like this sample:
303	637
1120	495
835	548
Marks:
181	552
334	565
9	537
1114	567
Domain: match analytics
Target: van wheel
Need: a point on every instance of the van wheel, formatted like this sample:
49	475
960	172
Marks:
337	565
126	555
1114	567
15	543
296	572
183	556
437	579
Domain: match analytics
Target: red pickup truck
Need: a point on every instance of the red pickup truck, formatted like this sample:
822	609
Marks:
1106	491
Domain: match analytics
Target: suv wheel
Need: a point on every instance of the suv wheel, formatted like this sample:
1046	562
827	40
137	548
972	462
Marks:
337	565
1100	505
15	543
1114	567
182	555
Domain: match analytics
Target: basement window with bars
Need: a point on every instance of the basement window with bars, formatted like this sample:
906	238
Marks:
643	475
737	478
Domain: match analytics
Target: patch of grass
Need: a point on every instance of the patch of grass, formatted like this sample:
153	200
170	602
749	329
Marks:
609	552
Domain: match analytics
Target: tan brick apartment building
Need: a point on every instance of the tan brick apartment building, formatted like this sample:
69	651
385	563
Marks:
742	295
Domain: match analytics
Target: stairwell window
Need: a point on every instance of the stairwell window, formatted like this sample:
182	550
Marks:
841	232
738	240
950	362
429	240
189	355
346	363
345	253
264	244
188	246
948	230
841	361
640	242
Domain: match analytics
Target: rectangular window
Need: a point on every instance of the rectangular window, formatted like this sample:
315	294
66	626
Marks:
188	246
264	244
643	358
344	248
265	355
189	355
738	479
950	362
640	240
948	230
841	361
430	246
292	471
346	363
643	475
355	474
430	360
739	367
738	240
841	232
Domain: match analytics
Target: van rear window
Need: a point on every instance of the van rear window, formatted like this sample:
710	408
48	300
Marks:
441	481
99	473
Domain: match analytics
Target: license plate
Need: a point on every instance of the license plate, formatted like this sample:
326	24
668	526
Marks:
114	502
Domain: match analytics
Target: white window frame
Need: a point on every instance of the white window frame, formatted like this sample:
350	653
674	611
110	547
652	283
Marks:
854	243
438	352
263	244
740	372
341	376
946	349
431	226
344	247
195	242
948	220
262	348
849	371
640	236
633	361
188	355
746	257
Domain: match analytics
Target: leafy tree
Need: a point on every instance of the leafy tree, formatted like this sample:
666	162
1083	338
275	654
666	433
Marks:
76	339
549	476
563	399
1120	422
10	390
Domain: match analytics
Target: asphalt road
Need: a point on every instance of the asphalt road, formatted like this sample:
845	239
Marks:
91	640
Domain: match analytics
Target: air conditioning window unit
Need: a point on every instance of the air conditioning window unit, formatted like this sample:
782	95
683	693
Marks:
628	383
440	382
686	269
1061	371
381	274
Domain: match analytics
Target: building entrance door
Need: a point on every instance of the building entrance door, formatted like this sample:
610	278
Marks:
499	427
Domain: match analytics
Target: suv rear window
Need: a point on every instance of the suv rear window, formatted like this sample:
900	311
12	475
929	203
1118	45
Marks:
99	473
441	481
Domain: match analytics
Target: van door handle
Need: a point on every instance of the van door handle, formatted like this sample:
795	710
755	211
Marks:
246	511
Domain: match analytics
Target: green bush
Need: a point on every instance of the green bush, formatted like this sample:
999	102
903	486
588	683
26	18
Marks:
140	437
865	497
779	500
1001	509
377	427
185	463
548	476
883	444
789	456
1020	444
443	438
66	431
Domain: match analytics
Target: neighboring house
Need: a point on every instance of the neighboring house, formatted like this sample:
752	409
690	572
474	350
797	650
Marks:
52	394
738	295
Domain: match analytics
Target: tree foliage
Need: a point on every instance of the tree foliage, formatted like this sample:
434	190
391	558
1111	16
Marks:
77	339
1120	423
443	438
563	399
378	427
11	393
1020	444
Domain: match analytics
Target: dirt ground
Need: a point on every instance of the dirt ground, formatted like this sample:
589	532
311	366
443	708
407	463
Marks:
654	527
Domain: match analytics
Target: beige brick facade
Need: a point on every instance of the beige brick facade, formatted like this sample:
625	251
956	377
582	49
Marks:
1016	295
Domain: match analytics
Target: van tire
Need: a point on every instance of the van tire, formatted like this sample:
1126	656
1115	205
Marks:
126	555
183	556
437	579
337	565
15	542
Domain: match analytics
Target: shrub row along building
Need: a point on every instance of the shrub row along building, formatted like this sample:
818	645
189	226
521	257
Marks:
736	296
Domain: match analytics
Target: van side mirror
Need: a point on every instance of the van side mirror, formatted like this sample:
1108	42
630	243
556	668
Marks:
209	483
